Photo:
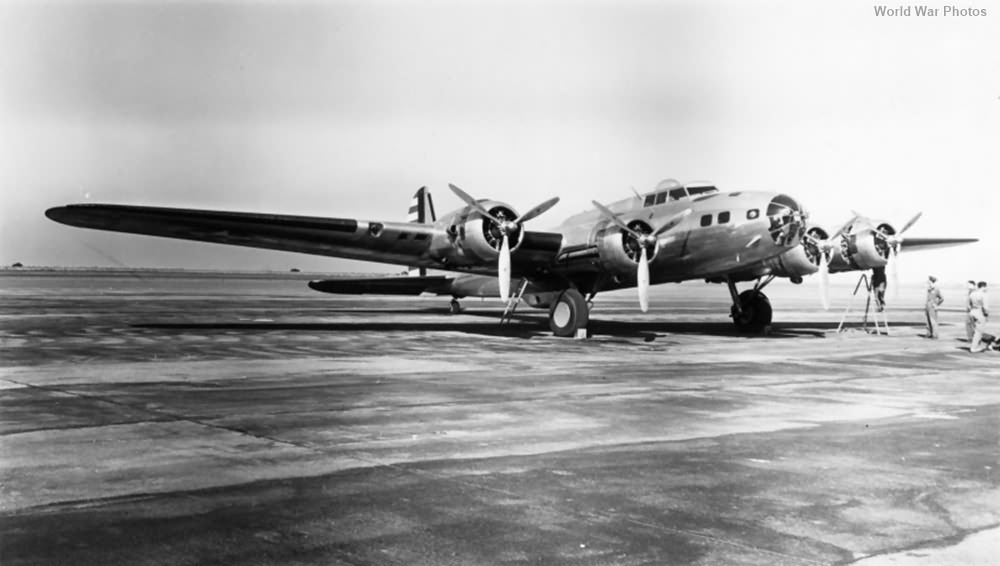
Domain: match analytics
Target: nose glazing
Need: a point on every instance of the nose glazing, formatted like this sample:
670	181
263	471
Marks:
786	220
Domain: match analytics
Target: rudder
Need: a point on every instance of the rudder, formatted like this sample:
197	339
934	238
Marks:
421	212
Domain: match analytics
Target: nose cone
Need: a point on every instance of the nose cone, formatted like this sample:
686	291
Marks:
787	220
781	202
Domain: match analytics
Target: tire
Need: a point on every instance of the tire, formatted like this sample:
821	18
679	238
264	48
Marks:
568	313
756	312
455	307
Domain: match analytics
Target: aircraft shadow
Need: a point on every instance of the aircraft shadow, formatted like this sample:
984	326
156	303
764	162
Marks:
480	328
523	326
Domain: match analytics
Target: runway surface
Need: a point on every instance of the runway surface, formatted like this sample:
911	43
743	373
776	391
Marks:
221	420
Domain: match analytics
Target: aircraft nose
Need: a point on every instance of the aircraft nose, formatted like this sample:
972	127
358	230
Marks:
787	220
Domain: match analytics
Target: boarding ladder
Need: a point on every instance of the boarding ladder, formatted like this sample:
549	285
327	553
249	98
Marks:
512	303
868	308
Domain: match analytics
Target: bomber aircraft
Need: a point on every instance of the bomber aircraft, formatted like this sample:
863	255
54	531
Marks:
674	233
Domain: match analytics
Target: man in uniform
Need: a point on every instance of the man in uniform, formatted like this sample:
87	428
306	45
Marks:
878	285
969	321
934	300
978	312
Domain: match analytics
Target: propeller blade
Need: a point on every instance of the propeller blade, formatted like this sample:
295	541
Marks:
824	281
537	211
894	271
667	240
463	195
618	221
642	278
844	227
503	269
672	222
910	223
467	198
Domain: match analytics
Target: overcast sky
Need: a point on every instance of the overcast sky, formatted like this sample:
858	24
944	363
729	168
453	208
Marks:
344	109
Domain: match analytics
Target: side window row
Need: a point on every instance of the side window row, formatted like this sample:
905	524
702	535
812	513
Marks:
706	220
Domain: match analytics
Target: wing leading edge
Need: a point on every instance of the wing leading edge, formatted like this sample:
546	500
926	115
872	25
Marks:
913	244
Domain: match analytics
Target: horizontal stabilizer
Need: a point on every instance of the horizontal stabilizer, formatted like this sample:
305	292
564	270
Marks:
437	284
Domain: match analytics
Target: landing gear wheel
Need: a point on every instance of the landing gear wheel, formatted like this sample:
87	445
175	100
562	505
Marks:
455	307
756	312
568	313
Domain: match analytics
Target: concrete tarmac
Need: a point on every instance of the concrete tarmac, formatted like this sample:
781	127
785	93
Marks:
217	420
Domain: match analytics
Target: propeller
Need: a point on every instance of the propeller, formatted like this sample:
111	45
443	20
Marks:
894	242
506	227
642	279
895	246
643	241
824	248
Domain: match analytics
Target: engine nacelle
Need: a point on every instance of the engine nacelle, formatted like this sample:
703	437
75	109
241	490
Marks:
477	239
863	247
620	252
803	259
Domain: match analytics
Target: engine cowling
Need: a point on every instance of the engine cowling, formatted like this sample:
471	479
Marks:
863	247
479	238
619	251
803	259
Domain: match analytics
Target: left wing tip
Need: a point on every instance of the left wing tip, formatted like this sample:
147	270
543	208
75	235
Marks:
56	213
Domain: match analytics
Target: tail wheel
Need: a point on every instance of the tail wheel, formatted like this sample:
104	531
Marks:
756	312
568	313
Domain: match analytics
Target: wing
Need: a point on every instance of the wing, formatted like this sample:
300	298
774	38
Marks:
402	243
913	244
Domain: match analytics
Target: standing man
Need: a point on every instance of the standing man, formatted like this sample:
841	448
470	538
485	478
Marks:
934	300
878	285
970	323
978	312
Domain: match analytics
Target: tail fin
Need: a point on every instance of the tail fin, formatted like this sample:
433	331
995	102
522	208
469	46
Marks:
422	207
421	212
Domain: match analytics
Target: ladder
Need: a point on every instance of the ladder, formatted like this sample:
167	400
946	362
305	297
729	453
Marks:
512	303
868	308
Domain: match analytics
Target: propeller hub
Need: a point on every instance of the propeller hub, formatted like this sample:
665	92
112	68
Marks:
641	238
502	224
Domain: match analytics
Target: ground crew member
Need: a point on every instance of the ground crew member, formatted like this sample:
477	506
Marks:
969	321
979	312
878	285
934	300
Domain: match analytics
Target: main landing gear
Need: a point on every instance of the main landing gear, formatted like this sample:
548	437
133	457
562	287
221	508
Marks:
751	310
568	313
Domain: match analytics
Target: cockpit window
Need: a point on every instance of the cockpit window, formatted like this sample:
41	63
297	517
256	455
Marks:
695	191
677	193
